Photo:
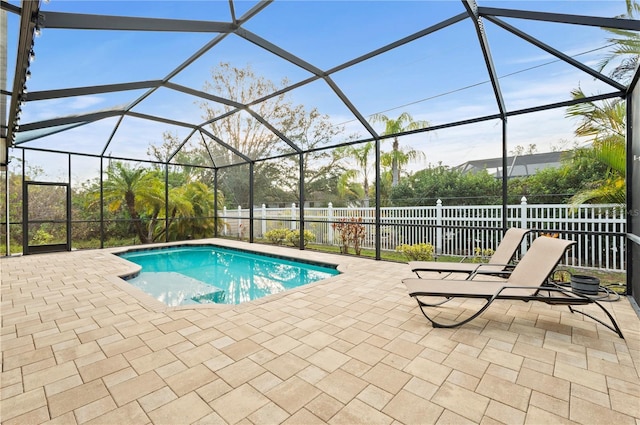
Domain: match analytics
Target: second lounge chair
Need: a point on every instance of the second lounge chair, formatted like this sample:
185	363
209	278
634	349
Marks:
498	263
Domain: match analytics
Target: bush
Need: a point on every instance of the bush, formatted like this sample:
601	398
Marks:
351	231
42	237
294	237
417	252
277	236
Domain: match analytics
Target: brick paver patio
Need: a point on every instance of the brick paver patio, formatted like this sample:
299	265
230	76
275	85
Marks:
81	346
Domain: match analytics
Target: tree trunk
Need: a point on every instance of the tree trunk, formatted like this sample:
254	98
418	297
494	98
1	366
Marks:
366	192
395	166
130	200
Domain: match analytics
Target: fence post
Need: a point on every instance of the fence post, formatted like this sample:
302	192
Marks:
293	216
523	221
239	222
264	219
226	226
329	221
439	226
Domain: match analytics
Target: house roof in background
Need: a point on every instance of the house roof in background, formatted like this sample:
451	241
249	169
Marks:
517	165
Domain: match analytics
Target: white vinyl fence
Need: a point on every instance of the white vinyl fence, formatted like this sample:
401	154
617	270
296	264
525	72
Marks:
456	230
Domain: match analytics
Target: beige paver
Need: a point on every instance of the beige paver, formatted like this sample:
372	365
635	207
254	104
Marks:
81	346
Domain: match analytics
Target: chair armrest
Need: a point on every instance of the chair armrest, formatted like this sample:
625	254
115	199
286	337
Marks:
477	271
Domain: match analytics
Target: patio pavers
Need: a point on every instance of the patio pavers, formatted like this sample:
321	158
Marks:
81	346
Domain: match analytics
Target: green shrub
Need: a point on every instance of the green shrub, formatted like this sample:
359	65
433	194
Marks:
294	237
42	237
277	236
417	252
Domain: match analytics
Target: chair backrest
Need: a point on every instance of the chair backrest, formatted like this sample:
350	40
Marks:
508	246
538	263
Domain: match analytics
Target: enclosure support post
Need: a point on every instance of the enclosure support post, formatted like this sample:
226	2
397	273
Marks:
25	228
523	222
166	202
302	201
101	202
504	174
215	203
6	203
251	165
439	226
69	216
377	217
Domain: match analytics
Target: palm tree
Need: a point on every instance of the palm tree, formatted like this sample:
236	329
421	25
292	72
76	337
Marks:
398	157
188	204
138	188
626	46
361	155
605	123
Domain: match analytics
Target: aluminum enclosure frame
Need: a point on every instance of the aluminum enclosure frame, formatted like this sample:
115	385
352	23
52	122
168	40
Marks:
31	17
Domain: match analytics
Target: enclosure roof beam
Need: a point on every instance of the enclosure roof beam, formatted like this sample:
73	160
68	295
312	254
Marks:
82	21
225	145
203	95
248	15
401	42
84	91
206	146
556	53
274	130
270	47
85	118
594	21
472	10
28	17
351	107
159	119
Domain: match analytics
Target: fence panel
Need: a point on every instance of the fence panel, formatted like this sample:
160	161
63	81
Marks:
599	230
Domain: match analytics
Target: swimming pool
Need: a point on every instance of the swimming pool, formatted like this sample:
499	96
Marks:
203	274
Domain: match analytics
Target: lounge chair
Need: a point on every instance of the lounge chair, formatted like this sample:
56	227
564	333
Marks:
498	263
529	281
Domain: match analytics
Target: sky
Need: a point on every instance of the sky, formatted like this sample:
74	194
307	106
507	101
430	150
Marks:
440	78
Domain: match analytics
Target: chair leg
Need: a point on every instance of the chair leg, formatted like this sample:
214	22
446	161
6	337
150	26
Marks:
614	325
452	325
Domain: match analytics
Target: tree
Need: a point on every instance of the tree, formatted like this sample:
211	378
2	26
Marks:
558	185
626	46
138	191
322	168
399	157
242	131
604	122
191	207
141	193
452	186
274	180
521	150
361	155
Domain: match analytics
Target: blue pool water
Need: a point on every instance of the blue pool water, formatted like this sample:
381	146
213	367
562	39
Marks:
211	274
